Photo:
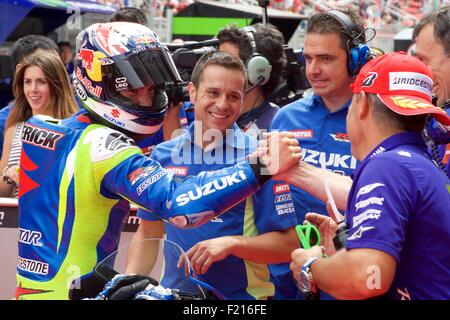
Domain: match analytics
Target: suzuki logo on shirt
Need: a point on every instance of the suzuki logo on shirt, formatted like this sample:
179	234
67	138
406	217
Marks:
303	134
211	187
337	160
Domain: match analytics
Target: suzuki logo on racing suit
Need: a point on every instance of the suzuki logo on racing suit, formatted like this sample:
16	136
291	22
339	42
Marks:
337	160
40	137
211	187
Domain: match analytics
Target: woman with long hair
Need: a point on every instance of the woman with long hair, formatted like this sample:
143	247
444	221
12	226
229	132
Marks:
41	87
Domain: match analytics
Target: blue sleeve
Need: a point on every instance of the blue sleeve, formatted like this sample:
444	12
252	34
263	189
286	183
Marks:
379	209
274	208
141	212
185	204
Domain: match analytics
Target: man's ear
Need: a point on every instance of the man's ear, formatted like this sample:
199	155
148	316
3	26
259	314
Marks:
192	92
364	108
18	66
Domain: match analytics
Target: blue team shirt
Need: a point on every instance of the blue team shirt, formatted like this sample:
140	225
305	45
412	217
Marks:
406	214
233	277
323	138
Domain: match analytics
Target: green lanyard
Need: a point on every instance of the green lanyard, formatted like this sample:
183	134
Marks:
308	234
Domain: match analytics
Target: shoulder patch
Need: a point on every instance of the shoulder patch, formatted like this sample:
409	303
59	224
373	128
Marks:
106	143
40	137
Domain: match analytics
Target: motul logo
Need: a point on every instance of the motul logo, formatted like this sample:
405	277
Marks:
179	171
303	134
281	188
115	113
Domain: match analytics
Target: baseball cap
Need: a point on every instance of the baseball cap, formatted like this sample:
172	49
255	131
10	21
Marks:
402	82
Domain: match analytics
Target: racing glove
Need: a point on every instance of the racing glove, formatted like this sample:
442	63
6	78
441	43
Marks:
125	287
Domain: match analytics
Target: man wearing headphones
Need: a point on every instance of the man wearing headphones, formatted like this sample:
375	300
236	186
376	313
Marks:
397	212
260	47
334	52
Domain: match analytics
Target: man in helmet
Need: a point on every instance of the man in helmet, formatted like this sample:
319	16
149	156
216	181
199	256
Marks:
77	176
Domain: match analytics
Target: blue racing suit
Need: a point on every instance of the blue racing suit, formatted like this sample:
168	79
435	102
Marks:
76	182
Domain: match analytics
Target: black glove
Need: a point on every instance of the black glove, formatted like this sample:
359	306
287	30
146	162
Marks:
124	287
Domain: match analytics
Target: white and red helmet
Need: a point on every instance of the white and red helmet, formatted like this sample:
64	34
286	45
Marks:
116	56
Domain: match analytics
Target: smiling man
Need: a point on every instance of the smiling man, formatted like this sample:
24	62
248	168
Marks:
230	253
432	38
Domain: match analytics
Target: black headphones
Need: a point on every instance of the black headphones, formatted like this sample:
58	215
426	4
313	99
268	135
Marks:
258	67
358	52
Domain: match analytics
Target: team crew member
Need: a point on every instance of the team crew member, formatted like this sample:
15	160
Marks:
227	253
397	212
78	175
432	38
318	121
260	47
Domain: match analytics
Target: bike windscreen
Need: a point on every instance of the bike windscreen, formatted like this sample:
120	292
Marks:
163	260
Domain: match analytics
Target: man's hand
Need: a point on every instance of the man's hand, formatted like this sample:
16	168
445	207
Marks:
207	252
327	229
13	173
299	257
280	151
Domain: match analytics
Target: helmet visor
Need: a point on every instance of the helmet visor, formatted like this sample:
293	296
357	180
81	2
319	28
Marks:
128	71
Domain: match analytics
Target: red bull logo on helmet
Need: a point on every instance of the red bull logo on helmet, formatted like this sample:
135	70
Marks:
87	58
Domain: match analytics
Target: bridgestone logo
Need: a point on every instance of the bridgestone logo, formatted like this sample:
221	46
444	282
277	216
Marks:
40	137
410	81
33	266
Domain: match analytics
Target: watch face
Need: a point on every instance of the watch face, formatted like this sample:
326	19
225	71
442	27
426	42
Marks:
306	281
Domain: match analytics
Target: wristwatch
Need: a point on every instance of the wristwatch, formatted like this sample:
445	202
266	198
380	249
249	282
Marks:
306	276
